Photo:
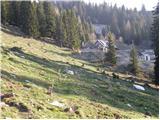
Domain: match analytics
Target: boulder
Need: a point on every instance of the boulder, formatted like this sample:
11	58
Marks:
70	72
129	105
138	87
57	103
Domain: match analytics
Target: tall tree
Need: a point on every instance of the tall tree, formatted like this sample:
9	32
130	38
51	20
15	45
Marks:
50	19
155	39
29	20
14	12
74	32
59	31
41	18
111	54
65	28
134	60
5	11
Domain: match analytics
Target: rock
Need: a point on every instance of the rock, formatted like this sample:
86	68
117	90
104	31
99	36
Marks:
57	103
27	81
22	56
3	104
128	80
129	105
71	110
138	87
70	72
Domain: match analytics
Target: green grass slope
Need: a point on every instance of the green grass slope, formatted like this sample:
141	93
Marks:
95	95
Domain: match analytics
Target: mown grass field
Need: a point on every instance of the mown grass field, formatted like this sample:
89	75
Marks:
31	72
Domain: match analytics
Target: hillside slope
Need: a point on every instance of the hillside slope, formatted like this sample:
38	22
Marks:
29	72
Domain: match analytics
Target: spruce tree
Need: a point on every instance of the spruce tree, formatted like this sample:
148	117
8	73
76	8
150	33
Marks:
111	54
29	22
14	13
155	39
59	31
50	19
41	19
64	28
134	61
33	26
74	32
5	11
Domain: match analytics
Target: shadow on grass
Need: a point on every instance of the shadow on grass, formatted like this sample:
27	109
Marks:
24	79
118	98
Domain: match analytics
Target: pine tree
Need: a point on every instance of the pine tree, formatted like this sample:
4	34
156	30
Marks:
111	54
14	13
41	18
74	33
155	39
50	19
29	22
5	11
33	21
59	31
64	28
134	60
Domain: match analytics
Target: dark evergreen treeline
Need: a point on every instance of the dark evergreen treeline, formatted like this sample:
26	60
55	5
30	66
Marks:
44	19
129	24
72	22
